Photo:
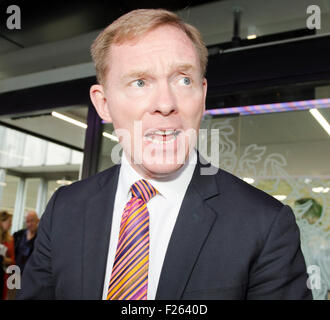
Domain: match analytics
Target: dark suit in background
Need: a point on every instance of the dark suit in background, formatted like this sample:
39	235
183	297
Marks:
230	241
23	248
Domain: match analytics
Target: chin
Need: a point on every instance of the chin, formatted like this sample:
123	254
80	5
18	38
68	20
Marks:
159	170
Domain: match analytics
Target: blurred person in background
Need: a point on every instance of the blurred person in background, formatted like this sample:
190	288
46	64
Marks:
24	239
7	249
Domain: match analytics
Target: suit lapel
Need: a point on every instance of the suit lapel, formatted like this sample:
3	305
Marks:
191	230
97	228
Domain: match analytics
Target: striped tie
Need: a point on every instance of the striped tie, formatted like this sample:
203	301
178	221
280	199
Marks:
129	278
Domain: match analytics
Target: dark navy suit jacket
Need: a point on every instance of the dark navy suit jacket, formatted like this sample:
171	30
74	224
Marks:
230	241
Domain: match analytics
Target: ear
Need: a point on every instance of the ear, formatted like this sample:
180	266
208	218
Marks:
100	102
204	91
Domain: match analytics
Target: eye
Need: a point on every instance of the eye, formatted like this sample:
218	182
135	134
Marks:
185	81
139	83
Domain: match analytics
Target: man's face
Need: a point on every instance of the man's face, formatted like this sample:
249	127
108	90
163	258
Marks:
31	222
155	82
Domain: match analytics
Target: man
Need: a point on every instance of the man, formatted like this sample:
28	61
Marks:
155	227
24	239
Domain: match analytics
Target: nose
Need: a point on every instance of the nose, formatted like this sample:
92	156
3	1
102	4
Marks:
164	100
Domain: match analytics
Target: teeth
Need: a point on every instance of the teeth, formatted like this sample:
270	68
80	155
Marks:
160	141
170	134
163	132
170	140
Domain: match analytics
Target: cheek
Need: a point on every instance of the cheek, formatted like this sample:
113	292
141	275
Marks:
122	112
126	106
192	108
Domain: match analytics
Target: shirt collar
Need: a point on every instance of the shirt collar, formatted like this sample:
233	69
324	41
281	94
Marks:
171	189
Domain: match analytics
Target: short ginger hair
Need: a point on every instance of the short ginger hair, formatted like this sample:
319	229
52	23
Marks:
135	24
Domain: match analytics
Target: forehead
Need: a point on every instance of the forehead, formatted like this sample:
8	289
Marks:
167	45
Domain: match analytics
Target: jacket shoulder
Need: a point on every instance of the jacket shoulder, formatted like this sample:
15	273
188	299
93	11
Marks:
85	188
18	233
244	202
248	194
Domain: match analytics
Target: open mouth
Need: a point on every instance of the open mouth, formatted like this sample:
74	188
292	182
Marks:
162	136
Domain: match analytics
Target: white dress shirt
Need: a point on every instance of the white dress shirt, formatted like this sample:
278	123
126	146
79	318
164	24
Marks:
163	211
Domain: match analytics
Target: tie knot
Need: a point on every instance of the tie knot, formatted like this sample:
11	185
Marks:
144	190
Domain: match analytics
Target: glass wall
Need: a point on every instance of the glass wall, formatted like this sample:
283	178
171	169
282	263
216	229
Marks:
285	154
32	187
109	142
32	168
8	189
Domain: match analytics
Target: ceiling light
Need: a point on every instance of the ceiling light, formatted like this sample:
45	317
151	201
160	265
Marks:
63	182
320	119
248	180
68	119
81	124
252	32
320	190
280	197
110	136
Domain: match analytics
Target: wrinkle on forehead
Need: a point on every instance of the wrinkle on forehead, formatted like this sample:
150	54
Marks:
165	47
140	73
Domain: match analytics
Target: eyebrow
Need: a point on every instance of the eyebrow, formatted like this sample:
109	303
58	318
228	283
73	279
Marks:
138	74
185	67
